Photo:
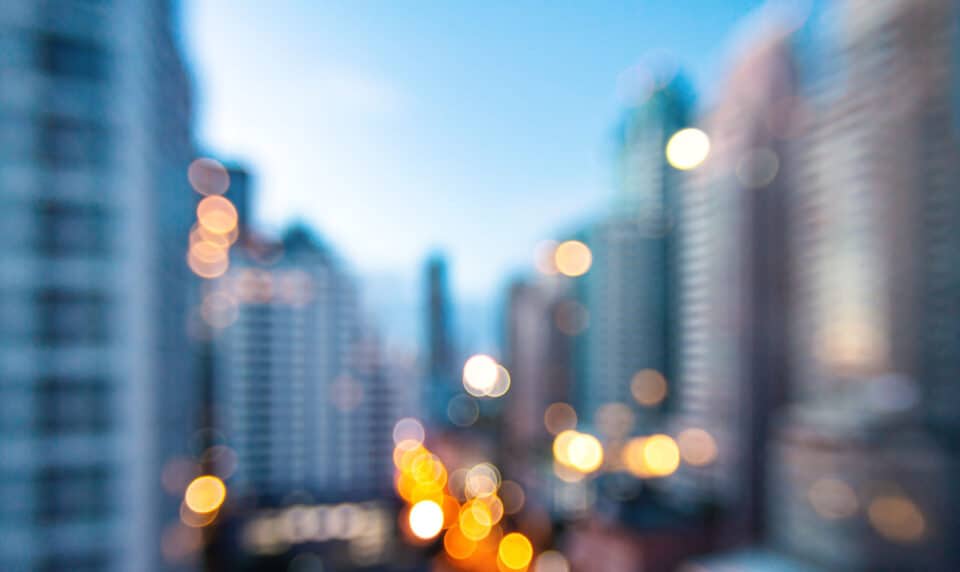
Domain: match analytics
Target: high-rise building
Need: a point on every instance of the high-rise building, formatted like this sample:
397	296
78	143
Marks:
629	311
537	353
868	451
299	390
94	202
733	286
442	381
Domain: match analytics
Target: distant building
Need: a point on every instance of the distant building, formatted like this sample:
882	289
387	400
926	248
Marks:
442	372
241	195
868	453
96	388
537	354
299	390
733	285
629	313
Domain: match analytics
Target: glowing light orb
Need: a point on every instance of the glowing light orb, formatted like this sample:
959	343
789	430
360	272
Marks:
572	258
661	455
515	551
426	519
648	387
687	149
480	374
697	447
217	214
205	494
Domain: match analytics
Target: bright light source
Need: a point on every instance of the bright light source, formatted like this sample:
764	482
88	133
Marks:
217	214
688	149
480	374
205	494
515	551
426	519
573	258
661	455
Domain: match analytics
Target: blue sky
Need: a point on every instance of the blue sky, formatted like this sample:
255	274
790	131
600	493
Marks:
396	127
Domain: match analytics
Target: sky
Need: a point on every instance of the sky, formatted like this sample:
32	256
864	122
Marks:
401	127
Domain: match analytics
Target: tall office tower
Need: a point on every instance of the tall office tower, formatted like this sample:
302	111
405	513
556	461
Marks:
298	387
630	312
94	117
443	379
537	353
240	194
868	453
733	286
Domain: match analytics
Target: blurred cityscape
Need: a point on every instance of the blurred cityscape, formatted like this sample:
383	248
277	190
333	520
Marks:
748	359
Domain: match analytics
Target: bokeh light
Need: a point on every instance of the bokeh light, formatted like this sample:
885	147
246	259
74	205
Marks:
897	518
832	498
516	551
687	149
648	387
573	258
502	385
758	168
661	455
458	546
480	374
544	257
426	519
697	447
551	561
217	214
559	417
579	451
408	430
205	494
208	176
512	496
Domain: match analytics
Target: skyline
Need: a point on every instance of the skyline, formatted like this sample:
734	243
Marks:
331	165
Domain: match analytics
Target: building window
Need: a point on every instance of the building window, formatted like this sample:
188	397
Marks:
71	58
72	493
66	316
66	405
70	228
70	142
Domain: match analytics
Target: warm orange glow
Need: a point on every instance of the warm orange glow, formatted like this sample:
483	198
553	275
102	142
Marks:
559	417
426	519
897	518
697	447
470	526
205	494
196	519
586	453
217	214
573	258
458	546
515	551
205	268
451	511
487	510
648	387
632	457
482	480
661	455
